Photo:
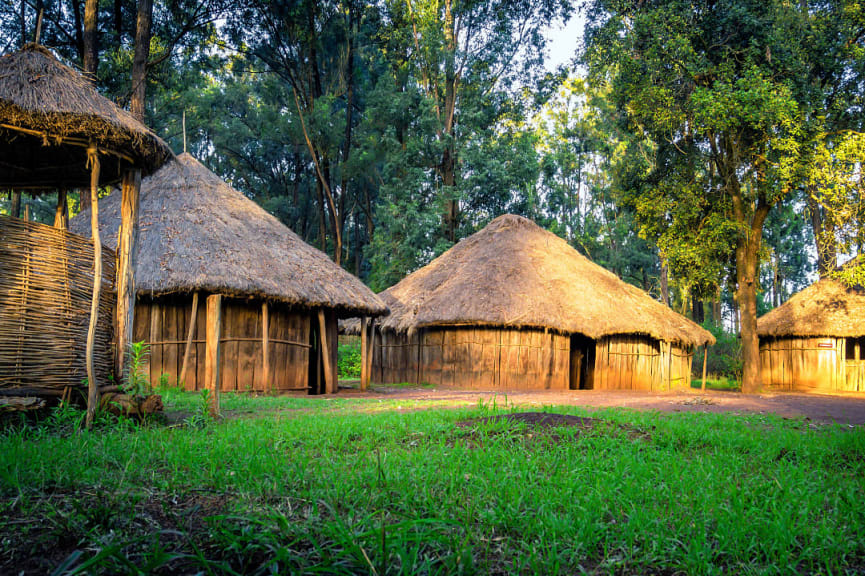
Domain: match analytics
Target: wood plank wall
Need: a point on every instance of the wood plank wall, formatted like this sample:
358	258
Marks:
481	358
631	362
809	365
163	324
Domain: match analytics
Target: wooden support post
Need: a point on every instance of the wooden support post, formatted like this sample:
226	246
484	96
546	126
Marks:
15	200
190	334
126	255
364	353
329	384
61	215
92	384
27	212
211	356
705	356
265	344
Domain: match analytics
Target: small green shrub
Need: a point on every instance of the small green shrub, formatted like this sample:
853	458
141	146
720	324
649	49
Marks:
136	380
349	361
201	418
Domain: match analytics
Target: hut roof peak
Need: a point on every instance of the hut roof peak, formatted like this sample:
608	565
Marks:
199	233
826	308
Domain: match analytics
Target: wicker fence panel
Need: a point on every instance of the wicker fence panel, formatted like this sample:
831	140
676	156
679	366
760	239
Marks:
46	284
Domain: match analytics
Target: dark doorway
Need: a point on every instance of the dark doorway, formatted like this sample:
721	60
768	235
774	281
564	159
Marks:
582	363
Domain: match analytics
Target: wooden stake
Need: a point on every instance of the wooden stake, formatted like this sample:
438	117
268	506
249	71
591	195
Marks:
27	212
61	215
127	239
92	384
211	360
190	334
705	356
15	208
364	353
329	384
265	343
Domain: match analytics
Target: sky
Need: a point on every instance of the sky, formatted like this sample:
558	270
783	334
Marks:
563	40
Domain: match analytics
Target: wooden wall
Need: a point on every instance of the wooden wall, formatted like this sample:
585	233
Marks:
469	357
810	365
163	323
631	362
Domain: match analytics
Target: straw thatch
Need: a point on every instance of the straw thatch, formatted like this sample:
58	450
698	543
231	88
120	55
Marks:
45	106
515	274
46	282
826	308
198	233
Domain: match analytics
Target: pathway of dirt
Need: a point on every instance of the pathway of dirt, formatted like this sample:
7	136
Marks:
846	409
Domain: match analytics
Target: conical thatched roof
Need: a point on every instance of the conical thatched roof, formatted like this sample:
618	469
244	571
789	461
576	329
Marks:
48	111
825	308
514	273
198	233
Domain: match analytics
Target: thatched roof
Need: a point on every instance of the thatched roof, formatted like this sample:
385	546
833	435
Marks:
825	308
198	233
48	111
514	273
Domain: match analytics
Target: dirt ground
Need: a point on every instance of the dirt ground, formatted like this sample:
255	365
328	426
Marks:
846	409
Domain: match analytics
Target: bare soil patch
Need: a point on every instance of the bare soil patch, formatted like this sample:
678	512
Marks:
846	409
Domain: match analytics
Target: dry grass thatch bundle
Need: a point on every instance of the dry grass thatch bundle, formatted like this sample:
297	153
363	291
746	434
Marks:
45	104
198	233
515	274
826	308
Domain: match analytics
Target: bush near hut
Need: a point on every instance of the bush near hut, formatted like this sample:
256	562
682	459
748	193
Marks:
349	361
725	357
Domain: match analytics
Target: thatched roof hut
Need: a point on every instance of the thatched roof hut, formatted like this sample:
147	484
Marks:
515	276
513	273
815	340
199	235
49	102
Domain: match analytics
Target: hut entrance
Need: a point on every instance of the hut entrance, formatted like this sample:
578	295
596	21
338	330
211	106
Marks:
582	363
854	360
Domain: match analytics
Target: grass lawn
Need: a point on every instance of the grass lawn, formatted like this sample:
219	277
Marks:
348	486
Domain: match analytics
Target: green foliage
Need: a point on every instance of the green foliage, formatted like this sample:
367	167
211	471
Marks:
137	379
201	416
349	360
725	357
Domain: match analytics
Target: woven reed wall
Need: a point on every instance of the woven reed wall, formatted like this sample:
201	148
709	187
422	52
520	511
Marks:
46	283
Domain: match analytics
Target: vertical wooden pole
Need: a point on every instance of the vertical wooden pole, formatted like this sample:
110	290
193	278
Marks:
27	212
61	215
329	384
190	334
15	208
265	344
127	240
705	356
211	355
364	353
92	385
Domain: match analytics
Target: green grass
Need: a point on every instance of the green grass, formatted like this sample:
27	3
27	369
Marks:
717	383
347	486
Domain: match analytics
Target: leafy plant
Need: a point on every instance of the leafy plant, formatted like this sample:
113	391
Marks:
137	382
201	418
349	360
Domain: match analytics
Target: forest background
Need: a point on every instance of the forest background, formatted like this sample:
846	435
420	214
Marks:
709	152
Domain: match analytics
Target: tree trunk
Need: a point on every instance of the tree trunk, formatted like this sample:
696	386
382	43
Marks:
79	29
91	39
665	283
697	310
827	253
139	60
448	163
15	208
118	19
